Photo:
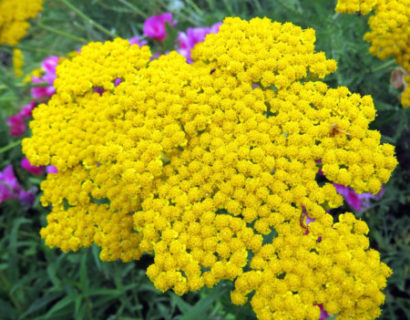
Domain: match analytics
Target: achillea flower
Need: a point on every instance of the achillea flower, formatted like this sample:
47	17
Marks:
389	34
18	61
187	40
355	6
13	18
36	170
405	95
10	188
193	163
154	27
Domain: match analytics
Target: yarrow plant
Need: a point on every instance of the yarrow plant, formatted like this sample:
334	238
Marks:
389	34
199	164
13	18
18	62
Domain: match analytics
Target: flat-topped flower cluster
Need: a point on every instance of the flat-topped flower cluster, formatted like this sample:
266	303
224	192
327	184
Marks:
389	34
13	18
199	164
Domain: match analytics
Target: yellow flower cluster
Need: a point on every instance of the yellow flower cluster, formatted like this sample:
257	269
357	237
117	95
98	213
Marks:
13	18
18	62
390	32
405	96
200	163
390	29
355	6
296	272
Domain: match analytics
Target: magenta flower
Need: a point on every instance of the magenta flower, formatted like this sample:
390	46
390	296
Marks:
154	27
17	122
51	169
137	40
25	164
17	125
358	202
323	313
187	40
10	188
49	66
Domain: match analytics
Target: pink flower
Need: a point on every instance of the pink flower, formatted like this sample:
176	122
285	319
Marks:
358	202
9	185
17	125
17	122
323	313
187	40
49	66
25	164
154	27
51	169
137	40
10	188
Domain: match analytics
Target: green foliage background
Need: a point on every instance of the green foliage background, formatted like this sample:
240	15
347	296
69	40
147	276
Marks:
39	283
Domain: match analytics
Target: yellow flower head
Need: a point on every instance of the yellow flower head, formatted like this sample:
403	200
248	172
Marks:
18	62
389	34
356	6
13	18
198	164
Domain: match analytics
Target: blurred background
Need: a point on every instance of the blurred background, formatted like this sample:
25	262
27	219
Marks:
40	283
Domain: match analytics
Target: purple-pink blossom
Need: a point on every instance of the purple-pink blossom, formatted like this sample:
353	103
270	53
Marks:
323	313
358	202
187	40
49	66
51	169
25	164
137	40
154	27
17	122
10	188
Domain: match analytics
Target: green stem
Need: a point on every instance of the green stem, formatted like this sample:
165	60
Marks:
27	84
10	146
7	98
39	50
180	15
385	65
62	33
257	5
7	287
134	8
196	8
88	19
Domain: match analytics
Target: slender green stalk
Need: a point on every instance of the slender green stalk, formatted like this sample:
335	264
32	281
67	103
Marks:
257	5
180	14
26	84
228	6
7	286
385	65
10	146
7	99
196	8
39	50
88	19
134	8
62	33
